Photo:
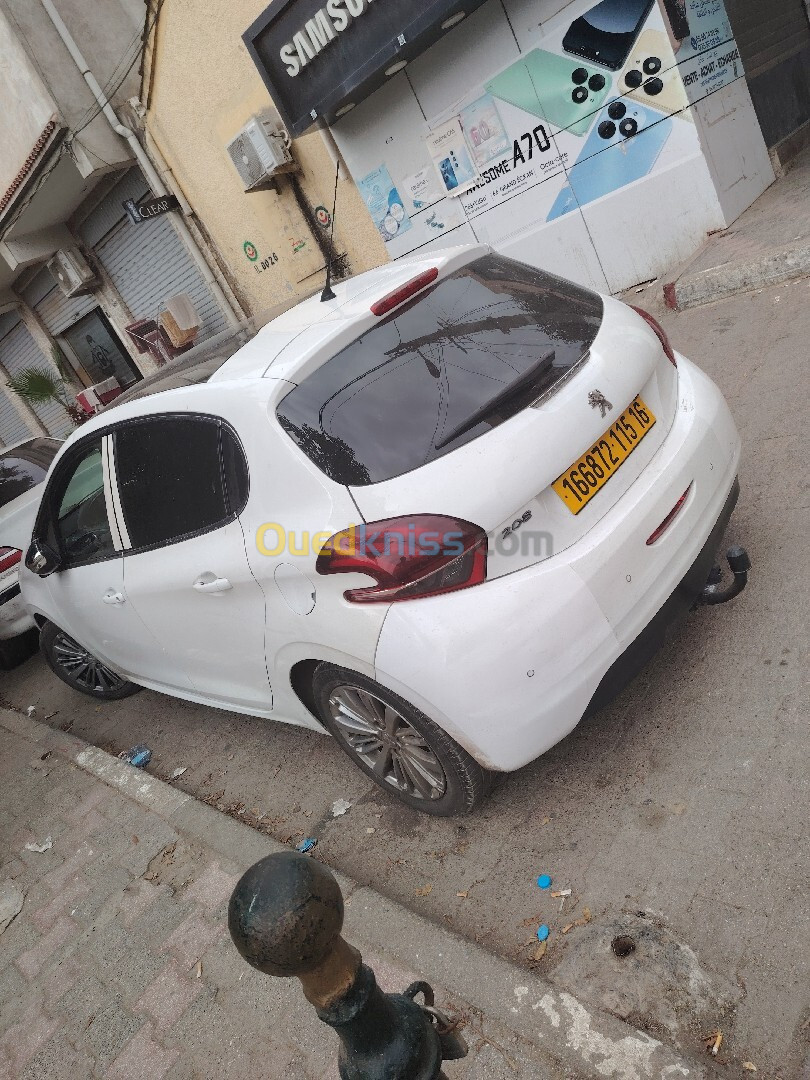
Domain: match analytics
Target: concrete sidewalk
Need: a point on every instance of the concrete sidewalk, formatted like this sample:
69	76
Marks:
119	963
769	243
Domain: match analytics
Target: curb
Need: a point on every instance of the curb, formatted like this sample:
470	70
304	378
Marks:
731	279
587	1045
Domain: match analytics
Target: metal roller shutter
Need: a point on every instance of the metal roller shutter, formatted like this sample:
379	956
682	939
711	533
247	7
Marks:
111	210
18	350
56	310
13	428
774	42
147	263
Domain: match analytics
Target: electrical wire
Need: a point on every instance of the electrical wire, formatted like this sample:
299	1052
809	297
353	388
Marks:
125	60
138	43
111	90
18	209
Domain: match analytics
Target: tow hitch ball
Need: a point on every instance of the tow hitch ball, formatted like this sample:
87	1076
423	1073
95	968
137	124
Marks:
740	564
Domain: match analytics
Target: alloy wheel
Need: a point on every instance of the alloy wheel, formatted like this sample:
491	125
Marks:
386	743
83	667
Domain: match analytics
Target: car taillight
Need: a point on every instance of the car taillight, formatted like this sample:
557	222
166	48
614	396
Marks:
665	524
404	292
659	332
9	557
408	557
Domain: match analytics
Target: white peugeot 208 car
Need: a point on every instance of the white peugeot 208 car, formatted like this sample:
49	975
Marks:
442	515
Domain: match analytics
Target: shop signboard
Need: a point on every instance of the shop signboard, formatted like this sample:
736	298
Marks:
151	208
319	58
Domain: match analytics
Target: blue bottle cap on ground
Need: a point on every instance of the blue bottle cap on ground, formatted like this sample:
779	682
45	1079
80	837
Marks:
542	932
544	881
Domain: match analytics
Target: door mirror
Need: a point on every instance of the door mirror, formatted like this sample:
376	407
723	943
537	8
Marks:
41	559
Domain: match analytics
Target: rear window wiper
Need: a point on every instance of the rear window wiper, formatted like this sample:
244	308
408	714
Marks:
542	364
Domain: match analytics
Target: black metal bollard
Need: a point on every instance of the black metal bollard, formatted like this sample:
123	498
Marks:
285	918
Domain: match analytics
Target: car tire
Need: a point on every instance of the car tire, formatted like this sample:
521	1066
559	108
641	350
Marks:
79	669
418	762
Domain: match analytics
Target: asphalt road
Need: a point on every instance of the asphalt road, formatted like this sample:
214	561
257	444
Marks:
686	800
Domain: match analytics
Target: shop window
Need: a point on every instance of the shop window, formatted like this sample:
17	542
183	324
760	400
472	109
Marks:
94	345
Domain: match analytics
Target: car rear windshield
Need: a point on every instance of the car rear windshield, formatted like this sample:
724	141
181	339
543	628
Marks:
467	355
24	467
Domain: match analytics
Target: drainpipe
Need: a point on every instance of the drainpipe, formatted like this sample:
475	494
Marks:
140	155
333	150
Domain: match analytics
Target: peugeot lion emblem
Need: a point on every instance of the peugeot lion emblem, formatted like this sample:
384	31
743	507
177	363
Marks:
597	400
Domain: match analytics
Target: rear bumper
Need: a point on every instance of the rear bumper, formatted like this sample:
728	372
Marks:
15	619
510	667
654	636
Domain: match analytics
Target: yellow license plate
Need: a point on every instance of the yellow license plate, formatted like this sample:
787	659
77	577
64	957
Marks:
578	485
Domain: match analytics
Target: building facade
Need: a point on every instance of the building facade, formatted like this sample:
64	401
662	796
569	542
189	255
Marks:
603	141
200	90
79	270
118	196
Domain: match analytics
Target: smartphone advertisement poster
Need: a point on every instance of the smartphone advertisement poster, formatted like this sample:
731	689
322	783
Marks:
448	149
384	203
485	132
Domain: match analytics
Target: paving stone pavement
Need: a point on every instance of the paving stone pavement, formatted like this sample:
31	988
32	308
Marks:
120	965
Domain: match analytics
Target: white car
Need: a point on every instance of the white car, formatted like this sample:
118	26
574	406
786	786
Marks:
441	516
23	468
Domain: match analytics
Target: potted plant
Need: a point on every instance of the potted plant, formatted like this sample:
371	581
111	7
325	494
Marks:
38	385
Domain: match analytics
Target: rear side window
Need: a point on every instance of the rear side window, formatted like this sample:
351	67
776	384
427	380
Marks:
25	467
464	357
171	478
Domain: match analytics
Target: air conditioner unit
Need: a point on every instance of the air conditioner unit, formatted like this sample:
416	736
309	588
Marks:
259	150
72	272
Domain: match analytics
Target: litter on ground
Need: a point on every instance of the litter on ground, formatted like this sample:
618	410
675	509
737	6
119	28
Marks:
713	1042
340	807
139	756
40	849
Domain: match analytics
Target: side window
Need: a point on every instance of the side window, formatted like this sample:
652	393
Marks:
170	478
81	526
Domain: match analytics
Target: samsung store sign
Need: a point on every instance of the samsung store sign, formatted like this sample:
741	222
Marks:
319	58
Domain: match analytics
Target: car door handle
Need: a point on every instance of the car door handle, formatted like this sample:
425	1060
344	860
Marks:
207	583
111	596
